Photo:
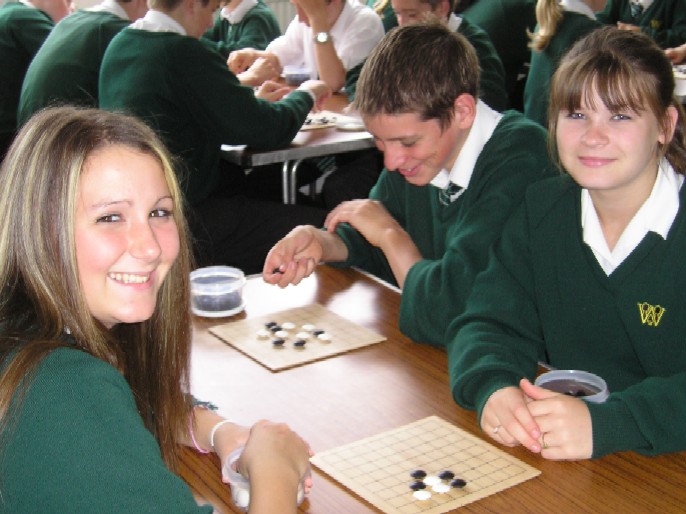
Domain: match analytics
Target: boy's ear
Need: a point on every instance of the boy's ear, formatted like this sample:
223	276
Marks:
465	111
673	117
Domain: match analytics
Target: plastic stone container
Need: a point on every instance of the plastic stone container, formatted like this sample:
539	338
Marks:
240	486
295	76
217	291
580	384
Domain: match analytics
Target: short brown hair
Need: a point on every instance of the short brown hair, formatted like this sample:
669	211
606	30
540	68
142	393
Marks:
418	69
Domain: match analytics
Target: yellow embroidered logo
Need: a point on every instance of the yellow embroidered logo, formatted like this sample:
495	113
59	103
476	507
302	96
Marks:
650	314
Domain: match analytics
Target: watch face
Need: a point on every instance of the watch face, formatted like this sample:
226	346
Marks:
322	37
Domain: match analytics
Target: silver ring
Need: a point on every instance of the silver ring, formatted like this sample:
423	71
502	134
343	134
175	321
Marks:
545	446
495	430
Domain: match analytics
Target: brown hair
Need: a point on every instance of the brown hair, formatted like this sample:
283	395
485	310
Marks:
548	16
627	70
39	272
420	68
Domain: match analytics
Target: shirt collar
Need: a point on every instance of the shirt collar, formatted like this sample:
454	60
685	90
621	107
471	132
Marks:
157	21
454	22
341	24
485	122
27	3
657	215
239	12
112	7
577	6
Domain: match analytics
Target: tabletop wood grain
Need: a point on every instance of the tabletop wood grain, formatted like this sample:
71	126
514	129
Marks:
381	387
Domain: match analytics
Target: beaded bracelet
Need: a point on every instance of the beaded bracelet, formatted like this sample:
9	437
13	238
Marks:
214	429
190	430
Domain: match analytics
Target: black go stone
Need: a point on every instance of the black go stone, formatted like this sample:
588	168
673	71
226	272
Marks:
317	332
418	473
458	483
270	324
275	328
300	343
278	342
446	475
417	486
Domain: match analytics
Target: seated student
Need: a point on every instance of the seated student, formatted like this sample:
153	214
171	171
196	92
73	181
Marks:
560	24
23	28
455	170
96	331
507	22
158	70
587	274
677	55
662	20
243	24
328	37
355	178
66	68
384	10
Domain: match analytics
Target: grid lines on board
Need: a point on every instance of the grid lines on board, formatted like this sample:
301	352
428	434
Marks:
378	468
345	336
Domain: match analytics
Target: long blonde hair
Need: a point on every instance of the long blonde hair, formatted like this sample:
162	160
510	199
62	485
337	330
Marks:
38	185
548	16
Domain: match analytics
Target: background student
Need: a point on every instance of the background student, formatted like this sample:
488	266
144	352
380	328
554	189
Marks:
662	20
243	24
560	24
455	169
158	70
96	331
66	68
23	28
587	274
677	55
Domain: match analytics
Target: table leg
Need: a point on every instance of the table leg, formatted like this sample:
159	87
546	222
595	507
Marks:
293	182
285	182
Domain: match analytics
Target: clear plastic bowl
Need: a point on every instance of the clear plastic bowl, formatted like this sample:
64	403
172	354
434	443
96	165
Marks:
217	291
580	384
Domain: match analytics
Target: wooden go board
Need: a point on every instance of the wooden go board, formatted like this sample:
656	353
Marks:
378	468
343	334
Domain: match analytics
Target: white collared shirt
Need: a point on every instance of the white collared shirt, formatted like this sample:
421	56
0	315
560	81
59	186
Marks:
27	3
655	215
454	22
356	32
577	6
239	12
485	122
157	21
110	6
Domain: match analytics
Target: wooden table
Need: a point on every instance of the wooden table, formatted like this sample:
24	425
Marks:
307	144
362	393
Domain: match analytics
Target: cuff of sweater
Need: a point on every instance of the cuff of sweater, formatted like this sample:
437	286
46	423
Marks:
614	429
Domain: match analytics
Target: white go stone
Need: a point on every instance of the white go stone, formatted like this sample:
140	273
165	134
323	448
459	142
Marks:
308	327
281	334
421	495
264	333
288	325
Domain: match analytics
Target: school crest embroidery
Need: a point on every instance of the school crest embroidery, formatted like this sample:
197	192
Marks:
650	314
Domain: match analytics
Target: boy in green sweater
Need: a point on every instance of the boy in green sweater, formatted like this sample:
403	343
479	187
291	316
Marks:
455	170
23	28
66	68
159	70
588	272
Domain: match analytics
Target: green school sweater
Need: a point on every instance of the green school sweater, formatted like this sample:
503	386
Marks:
387	15
545	297
22	31
257	29
664	20
506	22
454	240
572	27
66	68
78	444
187	94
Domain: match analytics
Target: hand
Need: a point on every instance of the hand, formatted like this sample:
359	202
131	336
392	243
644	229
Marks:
294	257
628	26
274	460
320	91
506	418
368	217
565	423
262	69
241	60
272	91
227	438
676	55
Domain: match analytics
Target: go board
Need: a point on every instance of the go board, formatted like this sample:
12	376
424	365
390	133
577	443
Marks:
378	468
343	336
318	120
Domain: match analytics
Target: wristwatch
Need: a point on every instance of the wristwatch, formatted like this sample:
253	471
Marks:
322	37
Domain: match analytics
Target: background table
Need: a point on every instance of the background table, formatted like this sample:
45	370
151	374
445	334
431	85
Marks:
362	393
307	144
